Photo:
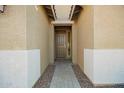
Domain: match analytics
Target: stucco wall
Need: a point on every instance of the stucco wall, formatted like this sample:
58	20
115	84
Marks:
85	33
74	43
106	65
19	68
108	27
51	44
13	28
38	33
23	45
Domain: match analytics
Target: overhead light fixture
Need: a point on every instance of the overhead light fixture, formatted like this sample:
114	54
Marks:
2	8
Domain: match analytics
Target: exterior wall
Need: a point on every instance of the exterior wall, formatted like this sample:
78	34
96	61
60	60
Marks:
33	66
23	45
13	28
85	33
51	44
38	33
74	43
13	56
108	44
12	44
106	66
89	63
13	68
19	68
108	27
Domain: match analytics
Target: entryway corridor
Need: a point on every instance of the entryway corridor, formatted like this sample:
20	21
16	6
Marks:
61	46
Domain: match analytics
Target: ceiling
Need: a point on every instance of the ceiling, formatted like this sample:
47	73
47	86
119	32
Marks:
63	12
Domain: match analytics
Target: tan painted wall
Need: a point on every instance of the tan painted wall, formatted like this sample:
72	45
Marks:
74	43
100	27
108	27
38	33
13	28
85	33
51	44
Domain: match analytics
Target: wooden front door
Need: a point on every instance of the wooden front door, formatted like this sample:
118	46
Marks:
60	44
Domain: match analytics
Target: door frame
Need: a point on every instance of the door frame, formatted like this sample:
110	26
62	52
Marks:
51	43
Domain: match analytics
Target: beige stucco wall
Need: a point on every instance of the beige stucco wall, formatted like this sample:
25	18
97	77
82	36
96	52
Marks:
85	33
74	43
51	44
13	28
108	27
99	27
38	33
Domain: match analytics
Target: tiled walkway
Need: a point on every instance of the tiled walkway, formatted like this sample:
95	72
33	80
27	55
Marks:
64	76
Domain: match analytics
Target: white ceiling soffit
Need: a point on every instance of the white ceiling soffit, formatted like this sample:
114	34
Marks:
62	12
62	22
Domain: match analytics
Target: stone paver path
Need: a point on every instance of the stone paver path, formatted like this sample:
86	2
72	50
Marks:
64	76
